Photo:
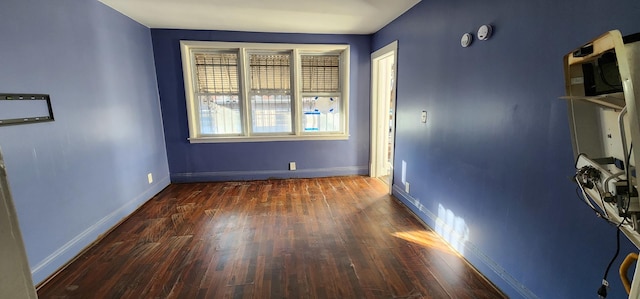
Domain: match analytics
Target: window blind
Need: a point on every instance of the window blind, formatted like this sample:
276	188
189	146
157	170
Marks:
217	73
270	72
320	73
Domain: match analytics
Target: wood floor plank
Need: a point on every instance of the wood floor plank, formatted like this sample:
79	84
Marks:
338	237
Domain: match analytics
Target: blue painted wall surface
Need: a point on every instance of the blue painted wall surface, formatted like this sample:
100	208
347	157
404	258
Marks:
260	160
75	178
496	151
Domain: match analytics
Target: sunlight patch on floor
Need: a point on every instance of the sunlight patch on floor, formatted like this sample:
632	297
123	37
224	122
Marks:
427	239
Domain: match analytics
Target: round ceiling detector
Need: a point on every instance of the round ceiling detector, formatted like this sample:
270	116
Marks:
484	32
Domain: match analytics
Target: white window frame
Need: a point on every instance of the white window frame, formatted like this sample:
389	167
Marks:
188	48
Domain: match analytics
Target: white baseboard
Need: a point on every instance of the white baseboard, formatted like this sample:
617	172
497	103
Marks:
473	253
216	176
73	247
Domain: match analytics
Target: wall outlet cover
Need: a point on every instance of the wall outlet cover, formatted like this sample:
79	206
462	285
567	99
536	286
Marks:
292	165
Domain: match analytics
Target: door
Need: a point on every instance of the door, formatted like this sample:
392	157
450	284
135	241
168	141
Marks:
383	99
15	275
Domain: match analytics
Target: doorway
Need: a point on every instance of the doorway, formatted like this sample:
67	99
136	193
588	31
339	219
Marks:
383	105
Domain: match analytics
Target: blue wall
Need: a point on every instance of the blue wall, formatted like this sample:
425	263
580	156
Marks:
496	154
260	160
75	178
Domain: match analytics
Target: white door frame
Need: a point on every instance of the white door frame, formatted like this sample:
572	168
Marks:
379	118
15	275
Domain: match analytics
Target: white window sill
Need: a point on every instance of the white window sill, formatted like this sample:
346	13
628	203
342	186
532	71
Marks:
267	138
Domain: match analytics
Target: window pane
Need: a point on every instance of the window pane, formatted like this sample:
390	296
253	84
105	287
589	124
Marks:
271	113
321	114
219	114
320	73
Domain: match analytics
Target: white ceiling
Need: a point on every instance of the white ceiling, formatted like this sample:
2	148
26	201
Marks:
294	16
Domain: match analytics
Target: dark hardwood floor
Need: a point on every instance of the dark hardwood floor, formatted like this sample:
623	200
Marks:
339	237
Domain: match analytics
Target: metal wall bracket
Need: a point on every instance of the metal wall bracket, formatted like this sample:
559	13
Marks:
30	119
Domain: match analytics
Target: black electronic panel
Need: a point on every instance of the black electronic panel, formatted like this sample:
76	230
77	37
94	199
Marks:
16	109
602	76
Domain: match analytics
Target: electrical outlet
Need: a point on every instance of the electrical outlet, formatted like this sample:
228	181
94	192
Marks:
406	187
292	165
150	177
424	117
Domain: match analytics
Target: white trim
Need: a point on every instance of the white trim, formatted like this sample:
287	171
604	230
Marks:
14	259
187	66
188	177
60	256
263	46
189	47
345	87
296	92
384	52
243	76
267	138
470	249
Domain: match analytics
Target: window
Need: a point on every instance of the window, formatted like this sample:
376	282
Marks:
265	92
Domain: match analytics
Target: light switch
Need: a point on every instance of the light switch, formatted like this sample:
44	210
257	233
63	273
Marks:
424	117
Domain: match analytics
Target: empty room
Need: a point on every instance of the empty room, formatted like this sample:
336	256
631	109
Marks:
319	149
